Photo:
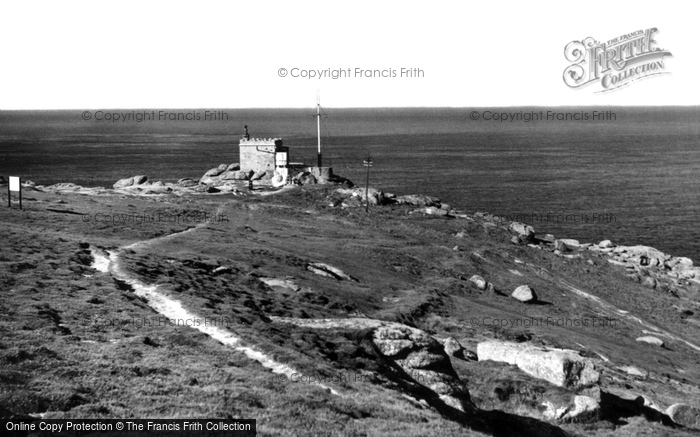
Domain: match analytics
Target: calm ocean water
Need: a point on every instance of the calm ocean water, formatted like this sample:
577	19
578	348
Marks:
634	179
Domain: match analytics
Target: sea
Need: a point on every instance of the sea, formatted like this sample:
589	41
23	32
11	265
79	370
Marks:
627	174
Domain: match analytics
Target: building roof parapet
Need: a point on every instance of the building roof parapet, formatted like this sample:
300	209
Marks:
261	141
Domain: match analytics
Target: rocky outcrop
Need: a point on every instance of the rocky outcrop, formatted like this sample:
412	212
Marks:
123	183
375	196
130	182
651	267
424	361
561	367
186	182
418	200
235	175
524	294
432	210
224	172
210	177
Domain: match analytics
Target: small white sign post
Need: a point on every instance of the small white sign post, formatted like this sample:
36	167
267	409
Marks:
14	185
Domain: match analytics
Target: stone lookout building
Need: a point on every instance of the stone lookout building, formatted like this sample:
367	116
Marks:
264	155
271	157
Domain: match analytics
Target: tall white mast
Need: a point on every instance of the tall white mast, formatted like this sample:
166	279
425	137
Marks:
318	123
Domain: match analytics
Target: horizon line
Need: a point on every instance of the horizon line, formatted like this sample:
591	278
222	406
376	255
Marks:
350	107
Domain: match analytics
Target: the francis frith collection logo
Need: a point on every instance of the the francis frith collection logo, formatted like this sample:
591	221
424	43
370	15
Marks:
615	63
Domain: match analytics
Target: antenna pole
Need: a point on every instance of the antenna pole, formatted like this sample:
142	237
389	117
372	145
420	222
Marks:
368	163
318	124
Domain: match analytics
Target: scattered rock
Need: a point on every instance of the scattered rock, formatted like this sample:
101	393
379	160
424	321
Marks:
283	283
685	415
525	233
566	244
561	367
524	294
478	281
651	340
570	242
649	282
329	271
634	371
221	270
432	210
549	238
605	244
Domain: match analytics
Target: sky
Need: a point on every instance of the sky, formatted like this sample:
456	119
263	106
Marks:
211	54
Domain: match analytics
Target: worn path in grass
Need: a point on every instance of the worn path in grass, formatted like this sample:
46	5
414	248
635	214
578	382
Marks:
171	308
